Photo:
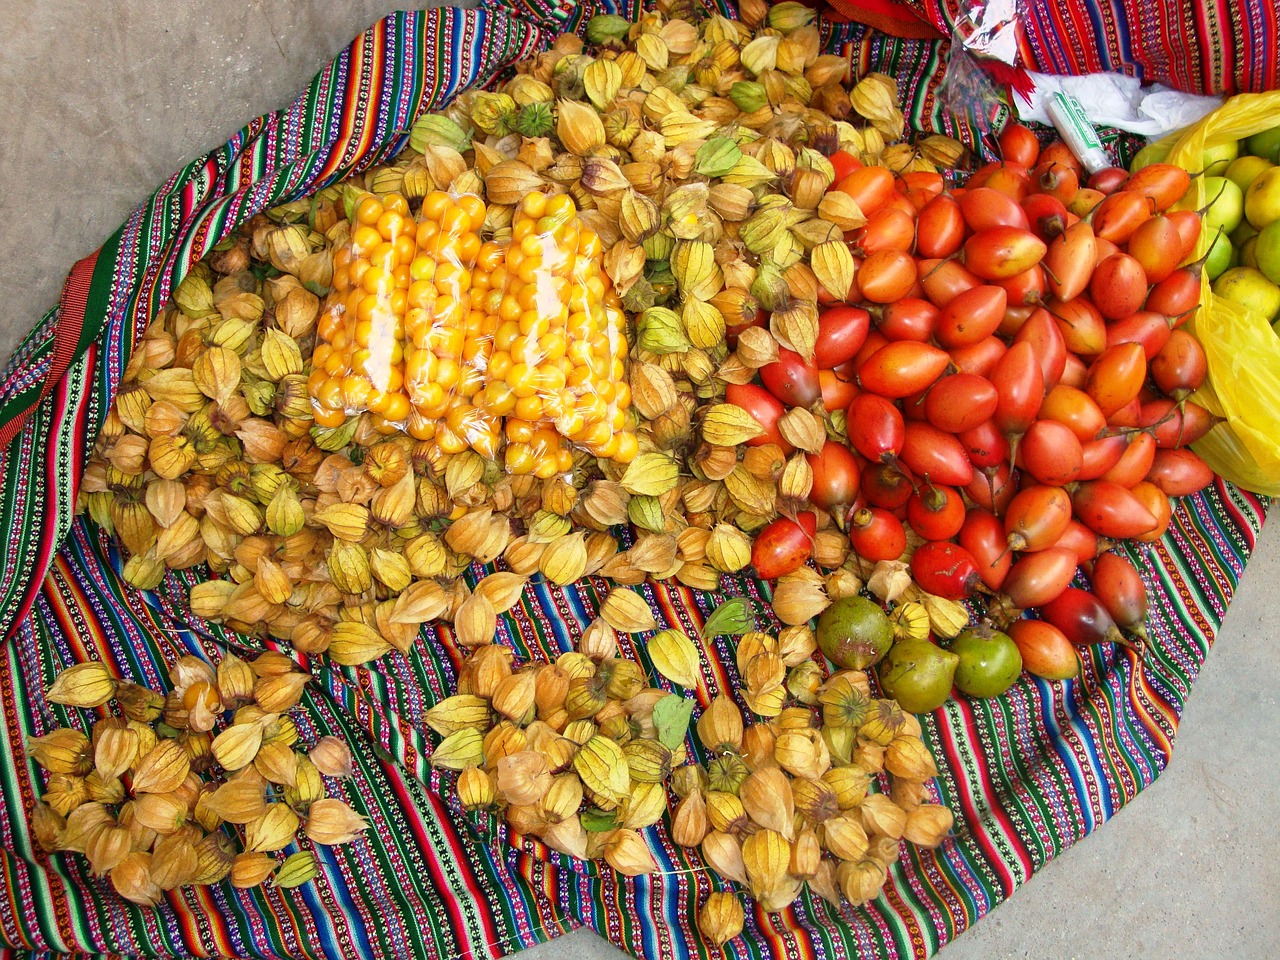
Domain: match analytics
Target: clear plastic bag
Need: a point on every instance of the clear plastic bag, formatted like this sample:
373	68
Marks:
986	29
514	349
557	370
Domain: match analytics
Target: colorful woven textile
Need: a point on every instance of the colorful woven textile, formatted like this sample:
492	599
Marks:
1200	47
1028	774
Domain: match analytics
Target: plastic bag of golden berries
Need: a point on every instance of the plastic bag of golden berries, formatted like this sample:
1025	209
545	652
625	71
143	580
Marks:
514	348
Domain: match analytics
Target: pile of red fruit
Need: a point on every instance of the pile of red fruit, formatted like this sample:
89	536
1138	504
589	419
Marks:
1015	377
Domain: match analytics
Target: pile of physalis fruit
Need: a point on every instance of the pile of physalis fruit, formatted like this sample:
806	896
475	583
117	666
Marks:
674	304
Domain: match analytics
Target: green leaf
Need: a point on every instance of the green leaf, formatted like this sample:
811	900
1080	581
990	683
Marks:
732	618
671	717
595	820
716	157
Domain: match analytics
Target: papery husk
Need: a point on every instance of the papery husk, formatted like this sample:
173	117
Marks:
116	747
502	589
174	862
723	853
928	825
251	869
676	657
758	743
568	837
83	685
645	806
882	817
477	789
277	763
503	740
64	751
162	769
131	878
862	880
766	797
626	852
908	794
475	622
331	821
721	917
849	782
720	727
802	753
107	847
599	641
162	812
689	823
214	857
766	856
81	824
626	611
844	837
885	849
797	599
909	758
726	813
297	869
307	789
272	830
280	693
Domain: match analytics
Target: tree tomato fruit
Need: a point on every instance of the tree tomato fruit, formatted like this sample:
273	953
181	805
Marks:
783	545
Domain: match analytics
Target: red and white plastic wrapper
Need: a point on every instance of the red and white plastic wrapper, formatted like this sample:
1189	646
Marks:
515	348
986	31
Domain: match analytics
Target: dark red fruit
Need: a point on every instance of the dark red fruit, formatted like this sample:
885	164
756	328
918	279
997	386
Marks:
886	485
982	534
936	512
841	333
960	402
1081	617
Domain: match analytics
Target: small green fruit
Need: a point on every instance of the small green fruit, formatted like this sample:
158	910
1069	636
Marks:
1226	204
918	674
989	662
1266	251
1151	153
1215	160
1219	258
1265	144
854	633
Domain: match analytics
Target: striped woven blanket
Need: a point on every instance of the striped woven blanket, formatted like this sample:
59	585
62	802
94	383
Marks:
1028	774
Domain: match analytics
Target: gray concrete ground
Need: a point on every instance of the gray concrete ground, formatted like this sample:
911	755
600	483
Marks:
99	102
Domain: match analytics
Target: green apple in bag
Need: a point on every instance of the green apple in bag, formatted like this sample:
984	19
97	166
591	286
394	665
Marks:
1266	251
1226	204
1220	256
1265	144
1215	160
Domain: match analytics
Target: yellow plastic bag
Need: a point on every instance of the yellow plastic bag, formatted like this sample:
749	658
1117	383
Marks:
1242	350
